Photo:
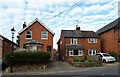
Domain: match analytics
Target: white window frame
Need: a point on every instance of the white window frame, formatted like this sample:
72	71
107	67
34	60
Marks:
92	50
80	51
73	41
72	51
29	34
44	35
92	40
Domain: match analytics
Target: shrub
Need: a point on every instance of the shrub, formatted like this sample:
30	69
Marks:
22	58
112	53
76	59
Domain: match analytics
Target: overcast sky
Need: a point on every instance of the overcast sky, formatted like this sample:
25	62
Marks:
57	14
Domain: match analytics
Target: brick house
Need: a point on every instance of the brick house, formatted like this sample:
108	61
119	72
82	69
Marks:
110	37
36	36
6	46
78	43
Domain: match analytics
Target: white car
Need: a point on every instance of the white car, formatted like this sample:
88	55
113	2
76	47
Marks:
106	57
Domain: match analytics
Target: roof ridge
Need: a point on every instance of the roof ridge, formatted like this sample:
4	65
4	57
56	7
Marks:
36	19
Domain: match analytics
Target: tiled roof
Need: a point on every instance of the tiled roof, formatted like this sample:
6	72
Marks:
76	34
109	26
74	47
6	39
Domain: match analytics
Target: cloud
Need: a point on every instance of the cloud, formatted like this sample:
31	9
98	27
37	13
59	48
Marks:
90	15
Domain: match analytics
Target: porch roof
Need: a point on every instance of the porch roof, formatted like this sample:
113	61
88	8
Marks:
34	42
74	47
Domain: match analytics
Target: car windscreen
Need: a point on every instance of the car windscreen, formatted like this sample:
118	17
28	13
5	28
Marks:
106	55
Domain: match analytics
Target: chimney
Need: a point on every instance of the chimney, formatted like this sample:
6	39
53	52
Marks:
77	28
24	25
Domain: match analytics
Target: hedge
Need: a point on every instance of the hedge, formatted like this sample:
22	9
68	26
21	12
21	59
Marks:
22	58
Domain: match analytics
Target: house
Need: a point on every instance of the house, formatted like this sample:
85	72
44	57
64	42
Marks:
36	36
78	43
6	46
110	37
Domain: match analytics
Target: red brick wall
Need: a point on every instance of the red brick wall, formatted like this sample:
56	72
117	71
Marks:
86	45
109	40
36	29
81	41
62	47
7	47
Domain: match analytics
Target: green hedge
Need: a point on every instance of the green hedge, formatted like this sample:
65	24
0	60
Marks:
114	54
22	58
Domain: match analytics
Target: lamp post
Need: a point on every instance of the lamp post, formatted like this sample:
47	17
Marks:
13	32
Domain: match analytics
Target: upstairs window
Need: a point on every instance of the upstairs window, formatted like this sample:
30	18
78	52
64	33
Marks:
74	41
28	34
92	40
44	35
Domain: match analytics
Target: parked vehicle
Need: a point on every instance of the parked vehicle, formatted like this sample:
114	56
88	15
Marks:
106	57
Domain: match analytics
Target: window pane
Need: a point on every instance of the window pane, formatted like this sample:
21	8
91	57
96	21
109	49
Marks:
73	41
28	32
28	36
90	52
94	52
75	52
44	35
80	52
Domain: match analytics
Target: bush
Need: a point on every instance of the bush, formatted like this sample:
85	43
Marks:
76	59
112	53
22	58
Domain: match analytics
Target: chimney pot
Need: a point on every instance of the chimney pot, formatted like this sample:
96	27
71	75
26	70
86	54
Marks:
24	25
77	28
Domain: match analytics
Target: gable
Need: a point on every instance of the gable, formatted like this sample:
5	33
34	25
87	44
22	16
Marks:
34	21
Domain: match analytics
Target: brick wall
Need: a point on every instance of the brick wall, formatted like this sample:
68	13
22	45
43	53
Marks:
109	40
82	41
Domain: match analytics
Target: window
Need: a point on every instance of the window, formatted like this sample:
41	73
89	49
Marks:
74	41
70	52
44	35
33	48
76	53
92	52
28	34
92	40
80	53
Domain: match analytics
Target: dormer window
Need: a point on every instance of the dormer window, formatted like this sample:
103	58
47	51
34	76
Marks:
92	40
44	35
28	34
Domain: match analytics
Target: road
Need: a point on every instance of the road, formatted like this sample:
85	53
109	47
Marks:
93	71
106	69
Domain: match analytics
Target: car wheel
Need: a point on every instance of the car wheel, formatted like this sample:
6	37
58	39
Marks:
104	61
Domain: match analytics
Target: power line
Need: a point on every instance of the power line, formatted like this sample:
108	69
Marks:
69	8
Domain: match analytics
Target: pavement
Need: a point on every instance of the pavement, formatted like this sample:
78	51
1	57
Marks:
58	67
